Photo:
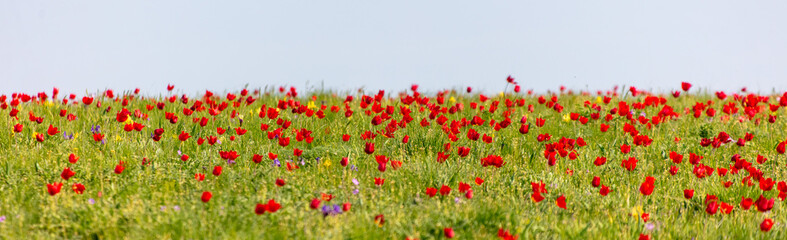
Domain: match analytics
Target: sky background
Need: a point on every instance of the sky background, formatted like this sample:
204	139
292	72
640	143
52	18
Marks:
80	45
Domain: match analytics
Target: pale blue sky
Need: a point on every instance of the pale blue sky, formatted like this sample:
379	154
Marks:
219	45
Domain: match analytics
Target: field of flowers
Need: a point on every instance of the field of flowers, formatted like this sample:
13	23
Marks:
276	163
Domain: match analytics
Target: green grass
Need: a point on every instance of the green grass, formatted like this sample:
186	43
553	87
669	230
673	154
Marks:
141	202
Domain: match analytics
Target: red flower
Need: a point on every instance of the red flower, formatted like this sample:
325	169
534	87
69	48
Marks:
256	158
596	181
40	137
120	167
449	232
561	202
766	225
746	203
676	158
98	137
688	193
463	187
315	203
183	136
763	204
767	184
78	188
379	220
463	151
284	141
184	157
206	196
67	173
536	197
72	158
604	190
217	171
379	181
505	235
369	148
280	182
625	148
259	209
492	160
54	188
18	127
712	208
600	161
52	130
629	164
199	176
431	191
87	100
647	187
445	190
685	86
479	181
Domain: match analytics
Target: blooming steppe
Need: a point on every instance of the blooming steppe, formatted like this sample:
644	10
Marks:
281	164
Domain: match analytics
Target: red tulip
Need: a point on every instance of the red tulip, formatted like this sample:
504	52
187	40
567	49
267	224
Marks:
766	225
206	196
78	188
72	158
479	181
315	203
430	191
647	187
369	148
688	193
52	130
217	171
120	167
449	232
67	173
600	161
604	190
445	190
561	202
763	204
746	203
54	188
685	86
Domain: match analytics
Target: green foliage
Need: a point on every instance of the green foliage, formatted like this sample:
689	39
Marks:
161	199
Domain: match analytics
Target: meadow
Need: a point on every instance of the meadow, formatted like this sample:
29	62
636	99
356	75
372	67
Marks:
276	163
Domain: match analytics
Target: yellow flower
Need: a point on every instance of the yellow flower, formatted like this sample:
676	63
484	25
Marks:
566	118
311	105
599	100
452	99
502	94
326	162
636	211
